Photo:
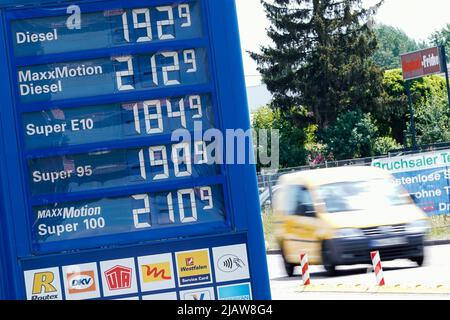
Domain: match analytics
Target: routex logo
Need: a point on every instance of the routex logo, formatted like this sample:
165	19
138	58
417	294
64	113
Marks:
118	278
43	283
80	282
156	272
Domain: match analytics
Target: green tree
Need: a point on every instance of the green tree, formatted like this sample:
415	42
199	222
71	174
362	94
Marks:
292	137
356	135
394	116
442	38
392	42
385	144
433	121
320	58
353	135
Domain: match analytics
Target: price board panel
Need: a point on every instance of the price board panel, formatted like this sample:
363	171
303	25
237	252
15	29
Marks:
104	196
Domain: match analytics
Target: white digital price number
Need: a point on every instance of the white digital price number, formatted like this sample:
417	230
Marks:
181	155
187	56
140	19
153	114
144	213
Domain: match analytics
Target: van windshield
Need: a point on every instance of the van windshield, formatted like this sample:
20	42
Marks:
362	195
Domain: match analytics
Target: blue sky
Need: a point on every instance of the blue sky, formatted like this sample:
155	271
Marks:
418	18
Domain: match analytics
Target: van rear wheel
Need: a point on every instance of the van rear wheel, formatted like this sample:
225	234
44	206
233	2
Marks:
327	260
289	267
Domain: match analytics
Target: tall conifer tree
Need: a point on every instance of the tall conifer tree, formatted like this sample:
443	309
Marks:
320	57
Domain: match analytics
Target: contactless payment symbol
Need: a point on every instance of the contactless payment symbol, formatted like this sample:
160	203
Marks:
156	272
193	267
231	263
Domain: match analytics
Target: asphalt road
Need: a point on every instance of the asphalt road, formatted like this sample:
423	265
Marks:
401	273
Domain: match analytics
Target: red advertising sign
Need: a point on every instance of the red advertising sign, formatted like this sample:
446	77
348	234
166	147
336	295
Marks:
421	63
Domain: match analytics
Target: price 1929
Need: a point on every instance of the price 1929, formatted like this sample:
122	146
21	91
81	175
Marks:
139	26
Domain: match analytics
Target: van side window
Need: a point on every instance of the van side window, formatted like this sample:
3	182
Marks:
291	197
298	201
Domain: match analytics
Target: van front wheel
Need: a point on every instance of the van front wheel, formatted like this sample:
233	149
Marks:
419	260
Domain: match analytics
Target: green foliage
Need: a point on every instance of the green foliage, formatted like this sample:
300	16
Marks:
325	66
442	38
292	136
392	42
353	135
264	118
317	152
393	116
383	145
433	122
320	58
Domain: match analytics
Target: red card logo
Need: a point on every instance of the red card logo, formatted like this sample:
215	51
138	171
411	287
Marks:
118	277
189	261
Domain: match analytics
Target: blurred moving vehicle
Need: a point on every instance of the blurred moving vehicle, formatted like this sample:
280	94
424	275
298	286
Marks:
337	216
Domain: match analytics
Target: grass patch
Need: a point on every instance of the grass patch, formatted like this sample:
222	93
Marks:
440	227
268	223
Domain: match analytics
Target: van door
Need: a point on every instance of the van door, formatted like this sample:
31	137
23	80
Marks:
301	225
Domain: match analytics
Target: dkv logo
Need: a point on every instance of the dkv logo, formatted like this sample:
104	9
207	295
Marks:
81	282
230	263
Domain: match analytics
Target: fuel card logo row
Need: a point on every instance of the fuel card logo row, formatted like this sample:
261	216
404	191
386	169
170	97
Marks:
152	273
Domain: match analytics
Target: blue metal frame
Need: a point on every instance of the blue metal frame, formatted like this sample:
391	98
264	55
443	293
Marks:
239	181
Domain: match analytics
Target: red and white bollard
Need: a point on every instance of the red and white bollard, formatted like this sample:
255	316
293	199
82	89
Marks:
305	269
376	262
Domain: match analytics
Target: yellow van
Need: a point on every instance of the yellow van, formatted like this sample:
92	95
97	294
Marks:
337	216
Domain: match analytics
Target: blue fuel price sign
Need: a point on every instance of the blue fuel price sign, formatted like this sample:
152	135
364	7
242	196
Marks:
144	68
99	182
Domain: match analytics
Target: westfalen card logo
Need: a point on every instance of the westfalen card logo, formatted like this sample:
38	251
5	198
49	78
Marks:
156	272
194	267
